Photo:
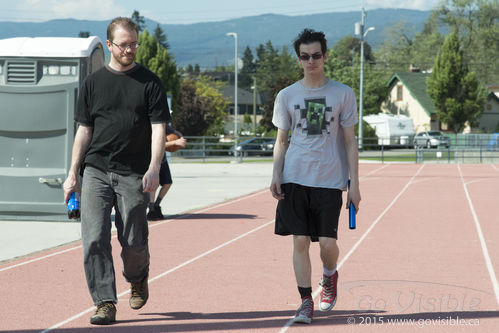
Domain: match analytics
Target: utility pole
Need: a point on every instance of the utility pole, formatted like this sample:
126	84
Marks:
254	105
233	34
359	30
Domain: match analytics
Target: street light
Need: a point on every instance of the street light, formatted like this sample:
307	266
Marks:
254	105
359	30
233	34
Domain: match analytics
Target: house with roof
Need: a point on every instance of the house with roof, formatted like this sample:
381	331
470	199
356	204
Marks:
489	121
248	102
408	97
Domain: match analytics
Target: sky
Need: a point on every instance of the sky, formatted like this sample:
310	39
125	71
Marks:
187	11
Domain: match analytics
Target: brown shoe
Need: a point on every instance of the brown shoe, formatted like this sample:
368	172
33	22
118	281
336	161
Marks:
104	315
139	293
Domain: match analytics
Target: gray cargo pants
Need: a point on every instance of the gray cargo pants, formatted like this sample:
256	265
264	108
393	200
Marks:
100	192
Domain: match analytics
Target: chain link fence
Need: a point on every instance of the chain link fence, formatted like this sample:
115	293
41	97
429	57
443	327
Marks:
464	148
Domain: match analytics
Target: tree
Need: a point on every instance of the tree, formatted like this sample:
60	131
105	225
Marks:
426	45
476	23
274	71
268	108
201	107
84	34
208	88
139	20
347	47
191	117
397	51
156	58
248	70
375	90
160	37
456	93
271	66
260	54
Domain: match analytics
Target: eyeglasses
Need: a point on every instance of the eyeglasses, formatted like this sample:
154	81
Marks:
124	47
306	57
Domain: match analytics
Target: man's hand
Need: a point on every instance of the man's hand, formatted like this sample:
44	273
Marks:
71	185
275	189
353	195
150	181
182	142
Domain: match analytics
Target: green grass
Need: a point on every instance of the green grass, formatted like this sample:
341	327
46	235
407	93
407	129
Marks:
221	161
407	157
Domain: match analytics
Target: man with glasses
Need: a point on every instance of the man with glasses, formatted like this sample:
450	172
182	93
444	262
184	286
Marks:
118	148
311	171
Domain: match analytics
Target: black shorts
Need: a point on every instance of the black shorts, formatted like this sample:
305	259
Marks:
165	176
308	211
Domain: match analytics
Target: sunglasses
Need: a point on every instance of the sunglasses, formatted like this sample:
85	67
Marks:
306	57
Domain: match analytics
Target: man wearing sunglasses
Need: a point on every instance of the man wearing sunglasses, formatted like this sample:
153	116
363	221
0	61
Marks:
311	171
118	148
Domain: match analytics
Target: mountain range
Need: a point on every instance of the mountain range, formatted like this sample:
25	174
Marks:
208	45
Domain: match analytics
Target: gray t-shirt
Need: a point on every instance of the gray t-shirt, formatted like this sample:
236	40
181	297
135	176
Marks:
316	156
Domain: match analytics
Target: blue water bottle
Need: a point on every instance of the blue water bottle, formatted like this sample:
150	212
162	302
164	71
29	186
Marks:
74	206
352	223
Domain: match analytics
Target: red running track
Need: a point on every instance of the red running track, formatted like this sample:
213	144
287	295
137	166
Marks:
424	257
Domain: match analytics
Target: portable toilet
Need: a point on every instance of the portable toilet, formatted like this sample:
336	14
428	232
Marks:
39	83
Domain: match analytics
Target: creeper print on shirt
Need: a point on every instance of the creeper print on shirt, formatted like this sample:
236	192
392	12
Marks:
316	117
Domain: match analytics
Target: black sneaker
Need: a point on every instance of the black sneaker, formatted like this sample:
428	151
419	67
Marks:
152	216
158	213
104	315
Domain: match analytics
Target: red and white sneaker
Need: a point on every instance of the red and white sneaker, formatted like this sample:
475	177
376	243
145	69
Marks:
305	312
329	292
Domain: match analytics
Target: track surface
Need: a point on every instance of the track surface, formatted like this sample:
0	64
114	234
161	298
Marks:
424	257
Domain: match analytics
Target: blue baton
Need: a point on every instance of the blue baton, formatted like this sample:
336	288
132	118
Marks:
352	224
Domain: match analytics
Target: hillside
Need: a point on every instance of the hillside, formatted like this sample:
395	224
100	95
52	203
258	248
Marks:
207	44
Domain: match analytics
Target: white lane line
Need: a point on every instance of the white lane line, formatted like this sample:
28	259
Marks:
190	261
152	225
495	167
488	262
361	239
352	250
40	258
374	171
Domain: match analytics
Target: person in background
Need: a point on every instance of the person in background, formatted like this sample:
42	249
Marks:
165	176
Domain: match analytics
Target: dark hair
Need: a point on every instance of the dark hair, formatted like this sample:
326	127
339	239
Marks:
308	36
124	22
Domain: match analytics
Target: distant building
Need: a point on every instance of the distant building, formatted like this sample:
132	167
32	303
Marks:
246	102
220	76
408	97
489	121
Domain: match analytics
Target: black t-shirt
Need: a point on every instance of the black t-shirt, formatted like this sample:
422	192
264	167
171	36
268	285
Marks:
120	106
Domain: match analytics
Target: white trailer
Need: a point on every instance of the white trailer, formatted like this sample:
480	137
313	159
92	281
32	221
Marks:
392	130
